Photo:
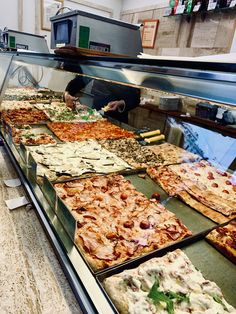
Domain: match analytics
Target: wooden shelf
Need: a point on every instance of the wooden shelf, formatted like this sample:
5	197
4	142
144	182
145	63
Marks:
209	124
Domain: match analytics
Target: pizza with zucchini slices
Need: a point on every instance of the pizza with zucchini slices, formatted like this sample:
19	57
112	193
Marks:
115	222
202	186
74	159
132	152
167	285
224	239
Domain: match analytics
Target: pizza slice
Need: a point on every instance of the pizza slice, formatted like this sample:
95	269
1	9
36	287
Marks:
224	239
203	183
132	152
115	222
171	154
169	284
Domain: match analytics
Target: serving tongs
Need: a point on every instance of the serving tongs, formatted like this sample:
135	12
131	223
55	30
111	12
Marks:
150	136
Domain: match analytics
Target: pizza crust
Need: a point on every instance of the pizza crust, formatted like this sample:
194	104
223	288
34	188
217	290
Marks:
186	181
222	237
115	222
170	274
201	208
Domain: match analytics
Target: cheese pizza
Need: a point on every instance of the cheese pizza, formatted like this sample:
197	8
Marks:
171	154
91	130
224	239
115	222
12	105
166	285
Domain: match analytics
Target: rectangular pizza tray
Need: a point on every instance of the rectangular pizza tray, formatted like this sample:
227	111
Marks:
146	186
213	265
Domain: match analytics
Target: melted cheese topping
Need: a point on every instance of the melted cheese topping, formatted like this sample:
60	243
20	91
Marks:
75	159
129	290
215	180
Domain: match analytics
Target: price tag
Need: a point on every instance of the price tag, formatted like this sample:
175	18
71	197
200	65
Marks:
180	9
232	4
211	6
196	7
167	12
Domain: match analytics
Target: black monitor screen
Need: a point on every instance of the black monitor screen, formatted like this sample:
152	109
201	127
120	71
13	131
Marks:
62	32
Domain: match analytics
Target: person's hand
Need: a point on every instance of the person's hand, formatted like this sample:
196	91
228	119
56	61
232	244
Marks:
116	105
70	100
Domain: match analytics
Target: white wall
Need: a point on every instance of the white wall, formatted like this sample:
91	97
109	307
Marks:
233	47
28	16
138	4
9	14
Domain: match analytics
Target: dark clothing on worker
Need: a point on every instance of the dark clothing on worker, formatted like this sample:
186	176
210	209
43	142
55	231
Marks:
104	92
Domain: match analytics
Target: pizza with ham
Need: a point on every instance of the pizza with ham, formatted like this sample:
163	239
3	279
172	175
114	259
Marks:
171	154
224	239
115	222
202	185
91	130
24	116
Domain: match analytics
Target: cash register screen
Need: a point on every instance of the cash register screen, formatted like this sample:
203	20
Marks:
62	32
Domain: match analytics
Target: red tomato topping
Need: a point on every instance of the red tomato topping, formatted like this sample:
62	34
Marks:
223	174
225	191
156	195
123	196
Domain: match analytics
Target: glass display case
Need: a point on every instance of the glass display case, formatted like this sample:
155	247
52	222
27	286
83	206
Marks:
36	82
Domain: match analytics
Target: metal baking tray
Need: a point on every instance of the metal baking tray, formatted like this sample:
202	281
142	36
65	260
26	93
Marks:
32	164
147	187
212	264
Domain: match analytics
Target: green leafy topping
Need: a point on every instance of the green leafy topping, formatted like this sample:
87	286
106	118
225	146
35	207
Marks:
51	112
90	111
219	300
180	297
66	115
27	135
167	297
85	117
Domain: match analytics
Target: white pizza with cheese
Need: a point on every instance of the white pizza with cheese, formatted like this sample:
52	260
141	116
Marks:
75	159
166	285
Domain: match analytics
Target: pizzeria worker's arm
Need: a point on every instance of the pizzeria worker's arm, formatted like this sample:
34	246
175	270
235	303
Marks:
126	98
73	88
